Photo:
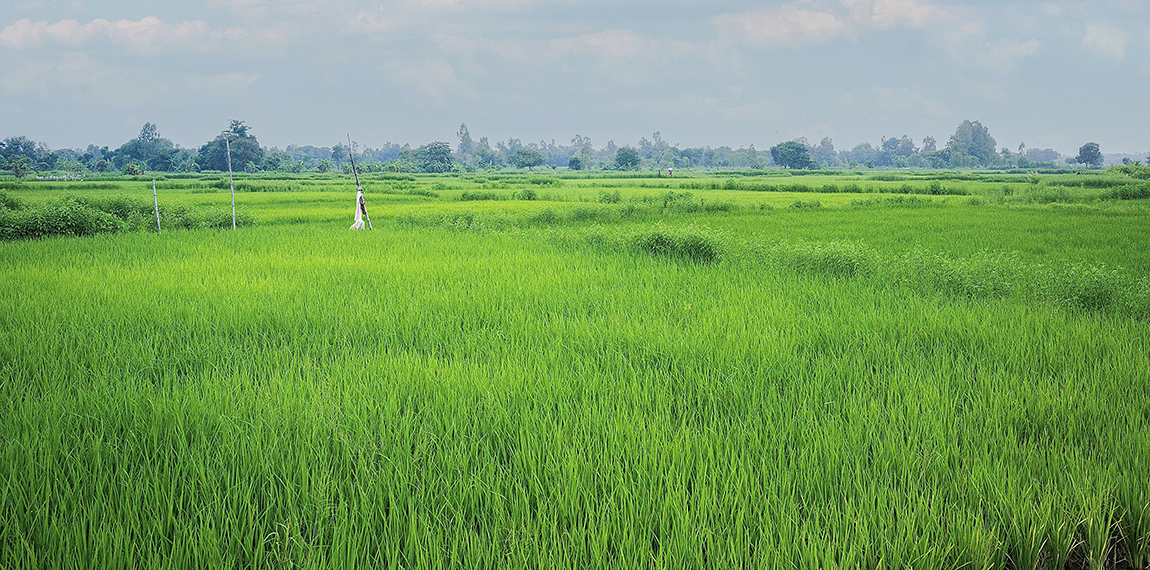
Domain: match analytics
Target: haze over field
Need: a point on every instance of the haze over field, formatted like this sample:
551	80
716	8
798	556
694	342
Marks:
728	72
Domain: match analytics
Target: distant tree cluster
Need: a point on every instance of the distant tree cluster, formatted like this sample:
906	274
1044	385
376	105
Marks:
971	146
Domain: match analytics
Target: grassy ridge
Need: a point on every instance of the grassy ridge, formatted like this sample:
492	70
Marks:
557	394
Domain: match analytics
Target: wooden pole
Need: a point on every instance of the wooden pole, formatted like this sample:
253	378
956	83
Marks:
157	201
230	181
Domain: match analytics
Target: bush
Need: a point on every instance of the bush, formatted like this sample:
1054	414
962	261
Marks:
1081	286
71	217
690	246
479	196
801	205
1128	192
526	194
838	260
606	197
8	202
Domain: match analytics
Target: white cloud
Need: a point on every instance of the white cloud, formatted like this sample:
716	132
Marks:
890	14
84	77
149	35
366	21
433	77
222	84
1106	40
715	108
786	26
1003	56
906	101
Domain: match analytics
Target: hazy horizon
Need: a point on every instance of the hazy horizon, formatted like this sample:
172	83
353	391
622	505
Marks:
727	72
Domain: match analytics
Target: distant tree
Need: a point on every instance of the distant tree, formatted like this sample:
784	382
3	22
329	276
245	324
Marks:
13	148
156	152
627	158
575	163
824	153
1090	154
929	144
132	168
466	146
338	154
525	157
792	154
245	148
971	139
485	157
324	165
19	167
434	157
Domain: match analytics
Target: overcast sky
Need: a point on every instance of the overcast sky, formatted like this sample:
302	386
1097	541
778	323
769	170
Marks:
702	72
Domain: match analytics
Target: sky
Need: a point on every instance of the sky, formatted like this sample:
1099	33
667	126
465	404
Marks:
1049	74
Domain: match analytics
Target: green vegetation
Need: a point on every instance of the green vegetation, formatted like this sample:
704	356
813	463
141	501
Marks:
930	370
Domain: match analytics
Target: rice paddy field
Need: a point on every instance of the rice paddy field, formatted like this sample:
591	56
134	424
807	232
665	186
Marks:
839	370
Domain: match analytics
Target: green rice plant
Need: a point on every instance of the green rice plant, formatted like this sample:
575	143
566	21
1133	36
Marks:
892	201
834	259
1096	528
692	244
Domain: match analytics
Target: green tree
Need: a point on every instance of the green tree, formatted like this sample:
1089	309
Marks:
245	148
466	145
12	148
524	157
1090	154
434	157
973	140
792	154
19	167
575	163
324	165
627	158
149	148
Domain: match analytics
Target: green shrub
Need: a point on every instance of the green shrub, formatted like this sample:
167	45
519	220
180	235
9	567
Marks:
693	246
801	205
8	202
72	217
832	259
478	196
1084	286
1128	192
606	197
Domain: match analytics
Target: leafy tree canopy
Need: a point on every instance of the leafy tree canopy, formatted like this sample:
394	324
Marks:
524	157
973	139
434	157
149	149
245	149
627	158
792	154
1090	154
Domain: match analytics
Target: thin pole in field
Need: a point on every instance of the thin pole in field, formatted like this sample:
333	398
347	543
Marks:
157	200
230	181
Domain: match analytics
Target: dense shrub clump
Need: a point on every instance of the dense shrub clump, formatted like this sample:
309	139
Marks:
74	216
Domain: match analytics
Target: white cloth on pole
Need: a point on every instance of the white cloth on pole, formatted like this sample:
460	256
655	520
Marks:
358	225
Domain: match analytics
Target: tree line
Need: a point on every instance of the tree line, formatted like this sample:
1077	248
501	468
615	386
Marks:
971	146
